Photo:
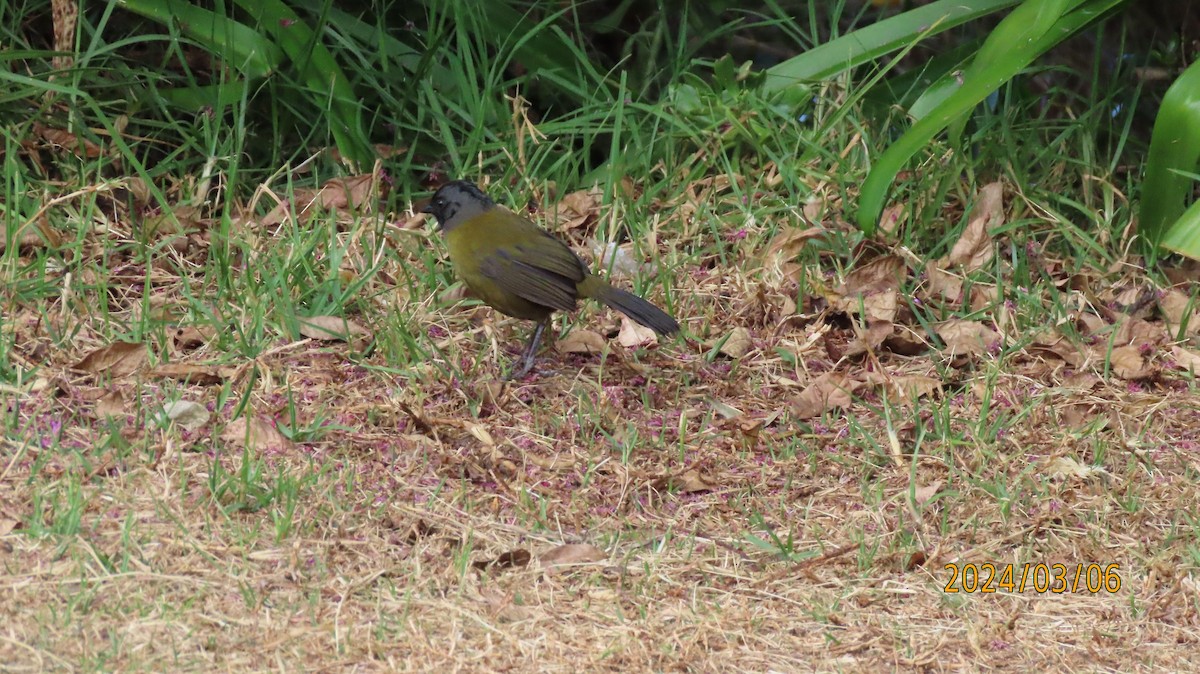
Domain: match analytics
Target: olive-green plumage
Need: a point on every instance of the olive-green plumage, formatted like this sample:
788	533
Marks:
519	269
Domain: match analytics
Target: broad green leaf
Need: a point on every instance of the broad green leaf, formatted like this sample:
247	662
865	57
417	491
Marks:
320	72
1026	33
867	44
1174	149
241	47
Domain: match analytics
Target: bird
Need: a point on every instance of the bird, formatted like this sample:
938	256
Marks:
520	269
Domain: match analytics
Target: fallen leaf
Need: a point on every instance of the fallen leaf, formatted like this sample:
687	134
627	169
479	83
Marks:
180	219
1089	324
572	554
581	341
1186	359
912	387
906	341
785	249
111	404
967	337
615	258
331	328
877	332
689	482
984	297
1053	345
724	409
634	335
507	560
257	433
186	414
1138	332
192	373
973	250
61	138
192	337
1128	363
36	235
922	494
829	391
1079	415
1178	309
1066	467
737	344
118	359
481	434
942	284
351	193
1081	381
882	273
578	208
892	217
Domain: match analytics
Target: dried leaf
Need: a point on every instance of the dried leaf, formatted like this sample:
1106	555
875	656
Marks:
942	284
111	404
892	217
118	359
883	273
912	387
61	138
352	193
192	337
481	434
922	494
737	344
187	415
1186	359
572	554
785	249
578	209
1052	345
193	373
507	560
967	337
829	391
906	341
581	341
1178	309
973	250
331	328
1128	363
615	258
1066	467
181	219
258	433
633	335
689	482
1140	333
984	297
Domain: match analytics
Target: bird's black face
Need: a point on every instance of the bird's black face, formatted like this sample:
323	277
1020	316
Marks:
456	201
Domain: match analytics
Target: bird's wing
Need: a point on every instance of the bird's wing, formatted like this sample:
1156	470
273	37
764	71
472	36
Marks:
538	282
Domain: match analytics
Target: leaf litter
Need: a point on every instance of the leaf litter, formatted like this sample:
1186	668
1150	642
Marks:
745	511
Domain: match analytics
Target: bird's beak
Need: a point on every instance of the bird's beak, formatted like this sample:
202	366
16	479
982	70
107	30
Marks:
437	225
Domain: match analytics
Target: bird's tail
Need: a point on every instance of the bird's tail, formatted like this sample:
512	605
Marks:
632	306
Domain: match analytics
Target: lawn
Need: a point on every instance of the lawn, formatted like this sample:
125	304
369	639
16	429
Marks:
254	422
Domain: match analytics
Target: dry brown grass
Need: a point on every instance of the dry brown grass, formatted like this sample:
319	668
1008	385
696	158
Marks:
671	463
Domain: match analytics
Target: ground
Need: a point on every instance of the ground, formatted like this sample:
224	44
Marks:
202	472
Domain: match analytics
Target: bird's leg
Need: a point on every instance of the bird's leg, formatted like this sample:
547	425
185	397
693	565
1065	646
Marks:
530	350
